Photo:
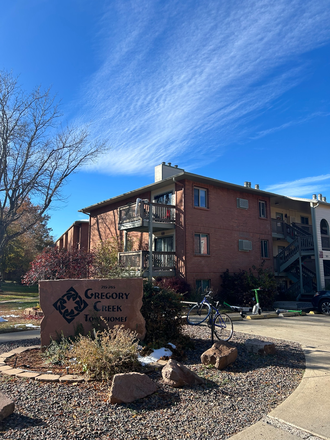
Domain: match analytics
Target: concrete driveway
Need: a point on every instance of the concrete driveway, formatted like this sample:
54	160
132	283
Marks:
306	413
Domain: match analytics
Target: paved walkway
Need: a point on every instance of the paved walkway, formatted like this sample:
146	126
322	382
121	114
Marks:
306	413
19	336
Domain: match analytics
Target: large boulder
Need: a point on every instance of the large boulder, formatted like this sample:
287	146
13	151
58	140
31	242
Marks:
177	375
7	406
221	354
260	347
127	387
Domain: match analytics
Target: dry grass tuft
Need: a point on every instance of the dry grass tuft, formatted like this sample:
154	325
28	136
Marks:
108	352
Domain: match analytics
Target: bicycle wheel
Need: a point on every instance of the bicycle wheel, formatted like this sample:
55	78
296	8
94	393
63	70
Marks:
198	314
223	327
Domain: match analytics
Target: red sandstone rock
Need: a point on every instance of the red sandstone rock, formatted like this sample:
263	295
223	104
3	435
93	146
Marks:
260	347
127	387
177	375
221	354
7	406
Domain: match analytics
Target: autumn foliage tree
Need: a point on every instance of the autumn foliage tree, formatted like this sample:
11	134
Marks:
57	264
23	249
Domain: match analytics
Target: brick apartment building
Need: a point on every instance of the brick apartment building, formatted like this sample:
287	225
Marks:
201	227
75	237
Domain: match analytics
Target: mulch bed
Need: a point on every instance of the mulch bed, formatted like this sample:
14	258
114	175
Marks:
228	401
35	360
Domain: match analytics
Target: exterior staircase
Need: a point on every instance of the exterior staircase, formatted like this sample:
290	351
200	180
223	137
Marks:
290	261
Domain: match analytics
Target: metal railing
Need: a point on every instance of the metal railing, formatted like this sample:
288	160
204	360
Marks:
160	212
293	231
298	245
139	260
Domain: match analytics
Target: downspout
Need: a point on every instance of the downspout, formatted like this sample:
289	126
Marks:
316	246
183	225
150	241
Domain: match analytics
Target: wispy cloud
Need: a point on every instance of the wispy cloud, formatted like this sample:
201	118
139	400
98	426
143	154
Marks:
184	78
302	187
281	127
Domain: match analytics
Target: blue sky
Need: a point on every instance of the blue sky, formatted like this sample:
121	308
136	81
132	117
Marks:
227	89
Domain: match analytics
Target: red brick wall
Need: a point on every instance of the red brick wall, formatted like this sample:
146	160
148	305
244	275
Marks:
83	235
104	225
225	224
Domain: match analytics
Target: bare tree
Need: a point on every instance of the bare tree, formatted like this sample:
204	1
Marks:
36	155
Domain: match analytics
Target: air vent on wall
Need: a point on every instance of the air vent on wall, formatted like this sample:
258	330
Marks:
242	203
245	245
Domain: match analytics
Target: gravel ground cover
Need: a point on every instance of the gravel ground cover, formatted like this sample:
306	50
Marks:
228	402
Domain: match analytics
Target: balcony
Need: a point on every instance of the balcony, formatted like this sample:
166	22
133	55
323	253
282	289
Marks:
163	263
136	217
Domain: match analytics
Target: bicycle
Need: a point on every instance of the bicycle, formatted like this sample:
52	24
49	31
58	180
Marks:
199	313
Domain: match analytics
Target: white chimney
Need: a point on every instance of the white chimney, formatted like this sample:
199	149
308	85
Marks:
163	171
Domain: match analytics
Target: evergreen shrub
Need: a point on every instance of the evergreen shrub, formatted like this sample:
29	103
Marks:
162	311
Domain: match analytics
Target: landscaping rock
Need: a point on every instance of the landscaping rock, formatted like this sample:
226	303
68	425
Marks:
221	354
177	375
127	387
7	406
260	347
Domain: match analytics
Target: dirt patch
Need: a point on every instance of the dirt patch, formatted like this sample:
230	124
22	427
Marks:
34	360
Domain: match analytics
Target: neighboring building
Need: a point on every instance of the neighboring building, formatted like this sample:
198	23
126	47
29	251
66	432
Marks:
75	237
301	243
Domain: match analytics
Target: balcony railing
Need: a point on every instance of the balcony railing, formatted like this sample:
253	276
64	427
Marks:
297	247
293	231
140	212
139	261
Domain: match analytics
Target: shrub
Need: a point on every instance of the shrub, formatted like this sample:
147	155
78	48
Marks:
105	262
57	352
162	311
55	264
176	284
236	287
108	352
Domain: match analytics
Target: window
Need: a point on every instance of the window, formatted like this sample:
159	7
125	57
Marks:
200	197
201	244
324	227
264	249
164	244
262	209
165	199
279	216
304	220
244	245
202	285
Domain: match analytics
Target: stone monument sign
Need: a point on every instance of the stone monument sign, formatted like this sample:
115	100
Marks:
68	303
